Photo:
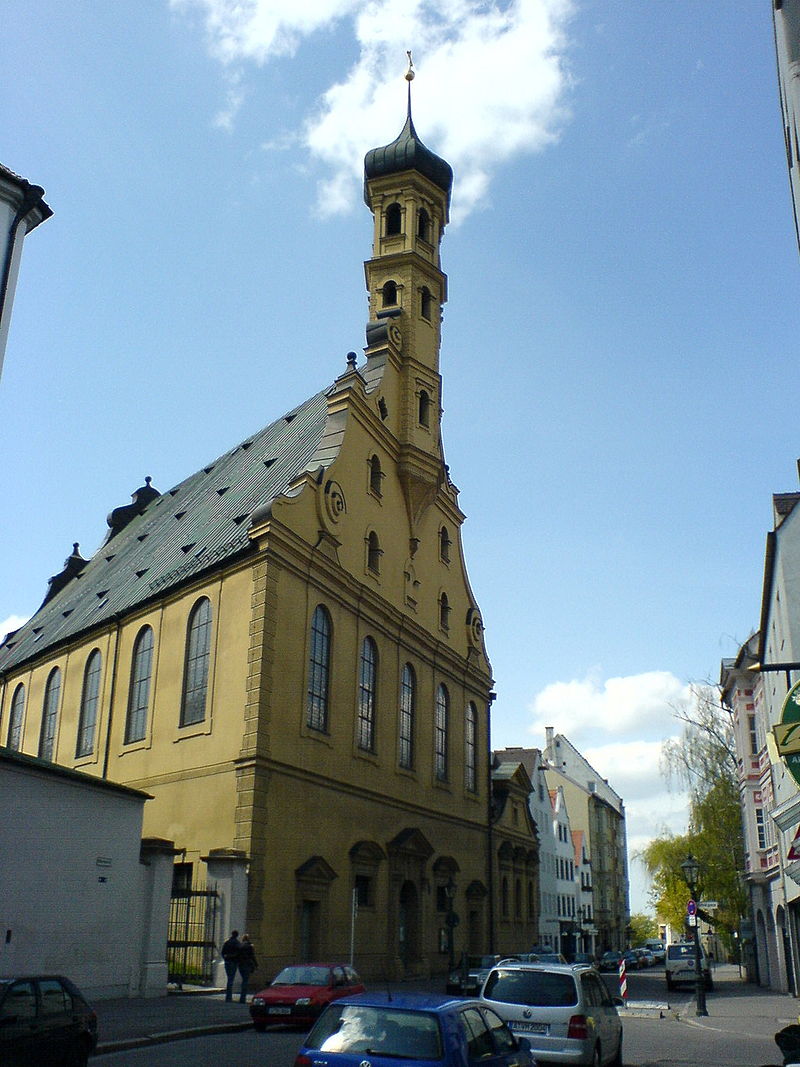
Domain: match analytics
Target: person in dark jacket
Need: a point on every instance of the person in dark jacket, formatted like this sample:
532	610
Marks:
247	964
230	957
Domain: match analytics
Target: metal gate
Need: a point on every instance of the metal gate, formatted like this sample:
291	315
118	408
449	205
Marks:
190	940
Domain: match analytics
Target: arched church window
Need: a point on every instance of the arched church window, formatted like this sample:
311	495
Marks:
424	408
471	748
423	225
90	698
440	733
444	545
374	553
52	694
139	692
198	653
319	663
375	476
408	686
389	294
394	220
16	719
444	612
425	303
367	695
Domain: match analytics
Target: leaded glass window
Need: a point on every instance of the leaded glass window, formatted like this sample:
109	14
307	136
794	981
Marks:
16	719
198	654
367	686
440	729
139	693
319	670
90	698
408	684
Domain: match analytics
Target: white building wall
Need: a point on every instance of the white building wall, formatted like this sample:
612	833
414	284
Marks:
71	884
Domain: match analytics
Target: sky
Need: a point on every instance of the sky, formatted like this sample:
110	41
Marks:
619	343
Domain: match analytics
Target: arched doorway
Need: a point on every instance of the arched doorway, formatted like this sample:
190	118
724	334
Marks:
408	924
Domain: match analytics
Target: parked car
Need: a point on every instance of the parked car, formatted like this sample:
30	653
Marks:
680	965
646	957
45	1021
393	1029
609	961
632	961
565	1011
585	958
298	994
542	957
467	981
657	947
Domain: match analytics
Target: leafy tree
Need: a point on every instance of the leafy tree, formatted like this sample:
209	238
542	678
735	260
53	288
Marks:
641	927
703	760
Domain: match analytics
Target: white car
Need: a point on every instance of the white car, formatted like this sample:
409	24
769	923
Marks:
565	1011
680	965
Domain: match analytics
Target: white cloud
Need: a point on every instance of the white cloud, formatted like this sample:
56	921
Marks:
592	708
13	622
491	85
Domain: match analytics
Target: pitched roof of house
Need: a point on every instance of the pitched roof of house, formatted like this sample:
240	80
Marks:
162	540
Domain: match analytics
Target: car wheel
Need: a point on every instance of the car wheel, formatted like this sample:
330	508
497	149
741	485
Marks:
79	1057
259	1026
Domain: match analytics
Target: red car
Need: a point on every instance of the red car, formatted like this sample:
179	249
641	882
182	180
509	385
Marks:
299	993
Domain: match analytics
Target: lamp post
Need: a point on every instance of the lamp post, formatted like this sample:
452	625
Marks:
691	869
452	921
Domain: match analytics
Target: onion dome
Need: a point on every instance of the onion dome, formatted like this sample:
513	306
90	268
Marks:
407	152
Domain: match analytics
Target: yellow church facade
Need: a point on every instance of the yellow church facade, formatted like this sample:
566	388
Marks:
285	653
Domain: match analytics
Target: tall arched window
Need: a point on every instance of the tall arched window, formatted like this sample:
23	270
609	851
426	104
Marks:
16	719
319	663
470	748
90	697
425	303
374	553
375	476
139	693
394	220
367	693
440	730
389	294
52	695
408	696
424	408
195	671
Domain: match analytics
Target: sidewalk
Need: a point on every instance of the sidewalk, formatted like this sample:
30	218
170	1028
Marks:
737	1007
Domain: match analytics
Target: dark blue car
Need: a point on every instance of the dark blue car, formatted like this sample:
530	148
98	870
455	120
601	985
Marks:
427	1030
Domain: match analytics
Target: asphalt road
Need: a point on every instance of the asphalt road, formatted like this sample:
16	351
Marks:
648	1042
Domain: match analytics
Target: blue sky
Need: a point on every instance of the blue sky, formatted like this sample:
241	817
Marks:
619	344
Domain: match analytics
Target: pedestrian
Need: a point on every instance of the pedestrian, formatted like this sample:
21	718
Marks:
230	957
247	964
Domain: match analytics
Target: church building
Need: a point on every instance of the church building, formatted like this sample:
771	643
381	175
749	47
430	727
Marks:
285	653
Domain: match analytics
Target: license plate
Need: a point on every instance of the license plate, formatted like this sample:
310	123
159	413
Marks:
279	1011
531	1028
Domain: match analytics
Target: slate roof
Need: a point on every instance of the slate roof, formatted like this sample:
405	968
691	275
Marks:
182	533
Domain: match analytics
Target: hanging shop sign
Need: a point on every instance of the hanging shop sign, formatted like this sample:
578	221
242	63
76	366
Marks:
787	732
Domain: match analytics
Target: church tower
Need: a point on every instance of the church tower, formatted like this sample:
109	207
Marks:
407	187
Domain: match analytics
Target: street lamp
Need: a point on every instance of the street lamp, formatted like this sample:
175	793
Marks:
691	869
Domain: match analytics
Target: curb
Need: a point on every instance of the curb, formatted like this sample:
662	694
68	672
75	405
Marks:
126	1043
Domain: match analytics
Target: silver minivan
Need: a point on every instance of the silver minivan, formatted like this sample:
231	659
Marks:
566	1012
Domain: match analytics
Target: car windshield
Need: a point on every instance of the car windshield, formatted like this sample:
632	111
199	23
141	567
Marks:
378	1031
535	988
303	976
680	952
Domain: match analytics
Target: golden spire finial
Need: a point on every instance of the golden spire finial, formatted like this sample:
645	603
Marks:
410	73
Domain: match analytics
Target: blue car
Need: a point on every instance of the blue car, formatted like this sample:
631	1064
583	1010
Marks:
427	1030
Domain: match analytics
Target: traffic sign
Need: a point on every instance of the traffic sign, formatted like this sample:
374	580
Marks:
691	908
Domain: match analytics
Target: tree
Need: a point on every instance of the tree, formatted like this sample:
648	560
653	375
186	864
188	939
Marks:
642	927
703	760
